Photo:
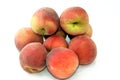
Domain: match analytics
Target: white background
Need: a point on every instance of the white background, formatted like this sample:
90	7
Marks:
104	16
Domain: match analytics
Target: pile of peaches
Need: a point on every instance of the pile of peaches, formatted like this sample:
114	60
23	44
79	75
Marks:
59	44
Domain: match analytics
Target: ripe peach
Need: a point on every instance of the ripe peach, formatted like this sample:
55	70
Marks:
26	35
55	41
62	62
33	57
45	21
74	20
85	49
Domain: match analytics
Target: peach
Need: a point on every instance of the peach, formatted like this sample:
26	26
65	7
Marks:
61	32
24	36
62	62
45	21
58	32
88	32
85	49
33	57
55	41
74	20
